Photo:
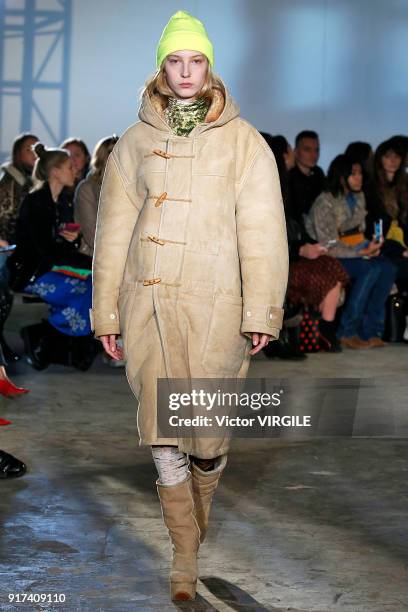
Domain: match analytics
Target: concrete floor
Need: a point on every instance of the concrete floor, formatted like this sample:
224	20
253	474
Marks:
316	525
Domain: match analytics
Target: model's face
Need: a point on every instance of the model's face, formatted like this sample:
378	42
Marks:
355	180
289	158
65	173
391	162
27	155
185	73
79	159
307	152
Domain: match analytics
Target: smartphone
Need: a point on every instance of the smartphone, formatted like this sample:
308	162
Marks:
70	227
7	249
378	230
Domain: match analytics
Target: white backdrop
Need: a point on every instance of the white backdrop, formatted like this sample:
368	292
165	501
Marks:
339	67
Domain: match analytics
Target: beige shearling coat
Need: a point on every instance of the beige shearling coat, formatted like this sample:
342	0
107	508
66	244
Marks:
190	254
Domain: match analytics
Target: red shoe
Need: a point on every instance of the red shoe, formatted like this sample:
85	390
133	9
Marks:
8	389
5	422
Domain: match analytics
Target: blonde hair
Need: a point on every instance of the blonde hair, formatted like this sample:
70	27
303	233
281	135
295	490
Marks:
100	156
47	159
156	85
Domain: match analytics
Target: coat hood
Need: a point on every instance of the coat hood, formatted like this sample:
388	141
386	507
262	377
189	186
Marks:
15	173
223	109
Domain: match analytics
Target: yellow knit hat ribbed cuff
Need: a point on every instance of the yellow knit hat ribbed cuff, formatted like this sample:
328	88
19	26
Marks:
184	32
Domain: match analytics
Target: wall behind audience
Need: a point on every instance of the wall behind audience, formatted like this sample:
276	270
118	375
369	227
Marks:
337	66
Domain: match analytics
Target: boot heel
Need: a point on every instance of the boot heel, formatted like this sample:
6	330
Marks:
183	591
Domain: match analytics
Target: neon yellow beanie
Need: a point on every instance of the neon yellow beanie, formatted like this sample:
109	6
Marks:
184	32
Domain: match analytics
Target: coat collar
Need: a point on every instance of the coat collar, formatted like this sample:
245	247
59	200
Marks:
223	109
15	173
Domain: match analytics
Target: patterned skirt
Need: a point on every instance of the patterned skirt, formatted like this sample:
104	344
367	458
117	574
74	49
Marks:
68	292
310	280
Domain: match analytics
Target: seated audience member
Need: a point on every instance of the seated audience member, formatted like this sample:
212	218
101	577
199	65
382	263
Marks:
306	179
387	202
337	219
315	278
15	183
14	186
80	160
47	263
87	194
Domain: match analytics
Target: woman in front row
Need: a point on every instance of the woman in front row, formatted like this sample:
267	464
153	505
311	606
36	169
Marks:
337	218
315	278
47	263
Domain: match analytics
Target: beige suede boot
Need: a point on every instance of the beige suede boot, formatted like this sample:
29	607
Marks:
179	517
204	485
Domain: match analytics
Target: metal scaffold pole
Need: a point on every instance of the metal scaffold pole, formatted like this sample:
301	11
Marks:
35	44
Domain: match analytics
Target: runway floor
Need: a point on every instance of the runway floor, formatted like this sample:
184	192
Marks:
312	525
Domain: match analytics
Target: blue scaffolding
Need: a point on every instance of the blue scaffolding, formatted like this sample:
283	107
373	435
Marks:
39	32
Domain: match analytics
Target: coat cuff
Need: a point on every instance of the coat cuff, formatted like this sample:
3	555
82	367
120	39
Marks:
262	319
104	323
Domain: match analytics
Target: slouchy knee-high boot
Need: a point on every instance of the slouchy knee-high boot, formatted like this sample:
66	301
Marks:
204	486
178	511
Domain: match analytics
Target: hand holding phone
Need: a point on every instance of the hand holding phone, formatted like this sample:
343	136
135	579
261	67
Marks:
8	248
69	231
70	227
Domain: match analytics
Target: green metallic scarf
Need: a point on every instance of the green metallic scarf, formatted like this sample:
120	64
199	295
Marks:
182	118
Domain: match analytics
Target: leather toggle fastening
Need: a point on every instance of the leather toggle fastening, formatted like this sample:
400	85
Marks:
161	153
151	281
155	239
160	199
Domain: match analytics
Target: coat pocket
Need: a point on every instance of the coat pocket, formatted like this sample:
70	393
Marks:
225	347
135	311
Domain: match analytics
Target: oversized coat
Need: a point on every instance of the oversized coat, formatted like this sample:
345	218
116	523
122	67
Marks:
330	216
190	254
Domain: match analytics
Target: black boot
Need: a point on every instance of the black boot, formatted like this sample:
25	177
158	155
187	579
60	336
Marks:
9	355
34	350
84	351
328	339
43	345
57	347
11	467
